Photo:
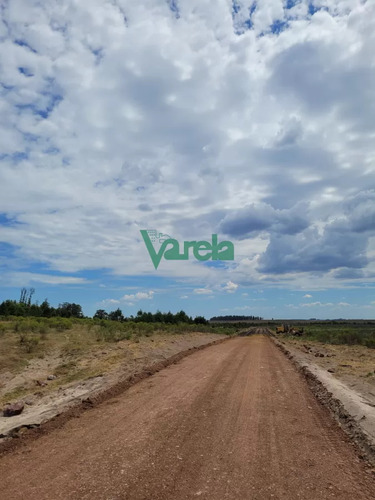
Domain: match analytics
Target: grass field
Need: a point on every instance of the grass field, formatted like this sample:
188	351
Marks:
344	332
349	333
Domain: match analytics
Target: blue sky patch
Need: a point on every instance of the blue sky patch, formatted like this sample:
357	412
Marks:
242	23
292	3
6	220
25	71
278	26
6	249
187	128
22	43
314	8
15	157
173	5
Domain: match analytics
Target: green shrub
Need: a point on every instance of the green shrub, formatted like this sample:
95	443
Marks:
370	342
341	334
28	342
61	324
31	343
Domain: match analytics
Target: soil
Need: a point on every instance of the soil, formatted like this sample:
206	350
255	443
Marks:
233	421
340	386
353	364
119	362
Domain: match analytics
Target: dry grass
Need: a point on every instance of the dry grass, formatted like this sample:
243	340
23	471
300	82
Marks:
31	350
352	360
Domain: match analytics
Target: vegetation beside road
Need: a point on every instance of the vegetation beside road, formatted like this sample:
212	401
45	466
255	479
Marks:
24	307
76	349
28	335
33	335
340	333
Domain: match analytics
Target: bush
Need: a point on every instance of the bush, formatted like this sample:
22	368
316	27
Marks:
31	343
341	334
370	343
28	342
106	333
61	324
349	338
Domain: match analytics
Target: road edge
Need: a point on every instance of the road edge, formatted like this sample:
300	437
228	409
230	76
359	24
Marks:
341	414
30	433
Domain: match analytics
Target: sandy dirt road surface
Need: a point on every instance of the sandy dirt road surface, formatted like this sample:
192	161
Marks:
233	421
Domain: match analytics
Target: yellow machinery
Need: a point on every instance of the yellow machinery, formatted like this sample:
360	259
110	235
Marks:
289	329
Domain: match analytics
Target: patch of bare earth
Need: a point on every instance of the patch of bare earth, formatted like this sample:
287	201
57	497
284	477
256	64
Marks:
52	384
354	365
342	378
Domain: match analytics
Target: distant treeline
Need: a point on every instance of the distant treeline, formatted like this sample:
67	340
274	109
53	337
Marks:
236	318
25	307
44	310
147	317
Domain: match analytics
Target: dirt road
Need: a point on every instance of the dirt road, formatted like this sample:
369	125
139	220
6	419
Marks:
234	421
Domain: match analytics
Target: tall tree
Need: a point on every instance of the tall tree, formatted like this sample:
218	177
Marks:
31	293
23	296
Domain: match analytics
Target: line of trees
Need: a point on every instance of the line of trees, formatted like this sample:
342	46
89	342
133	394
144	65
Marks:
25	307
147	317
64	310
233	317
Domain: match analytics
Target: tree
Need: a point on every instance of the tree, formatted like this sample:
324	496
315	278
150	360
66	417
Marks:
159	318
200	320
182	317
13	308
70	310
26	296
23	296
169	318
101	314
45	309
116	315
31	293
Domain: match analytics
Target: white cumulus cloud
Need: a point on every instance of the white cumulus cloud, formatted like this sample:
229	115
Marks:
248	119
230	287
139	296
202	291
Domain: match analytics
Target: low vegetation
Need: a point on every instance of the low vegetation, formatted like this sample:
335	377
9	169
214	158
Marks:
233	318
344	333
33	334
23	338
76	349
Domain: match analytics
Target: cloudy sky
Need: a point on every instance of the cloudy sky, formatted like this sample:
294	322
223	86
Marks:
253	120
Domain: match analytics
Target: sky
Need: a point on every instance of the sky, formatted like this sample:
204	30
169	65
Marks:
252	120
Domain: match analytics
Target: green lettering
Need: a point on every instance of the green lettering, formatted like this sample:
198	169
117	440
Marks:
202	245
223	250
187	245
155	256
174	252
